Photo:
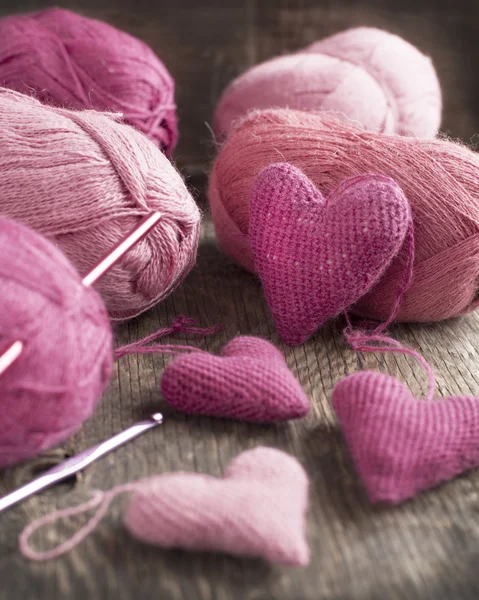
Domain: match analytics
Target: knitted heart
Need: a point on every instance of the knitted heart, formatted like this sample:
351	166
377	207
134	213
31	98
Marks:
257	509
402	445
317	257
250	381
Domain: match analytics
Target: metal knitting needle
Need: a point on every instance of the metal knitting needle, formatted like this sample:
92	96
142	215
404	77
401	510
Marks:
102	266
78	462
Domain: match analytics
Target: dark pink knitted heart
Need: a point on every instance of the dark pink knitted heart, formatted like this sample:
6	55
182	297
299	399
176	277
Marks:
402	445
317	257
257	509
250	381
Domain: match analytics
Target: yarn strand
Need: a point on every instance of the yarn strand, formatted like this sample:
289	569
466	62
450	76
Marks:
101	499
365	343
363	340
179	325
406	280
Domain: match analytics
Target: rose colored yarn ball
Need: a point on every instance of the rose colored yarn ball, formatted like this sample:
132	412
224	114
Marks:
66	360
85	180
71	61
363	74
439	178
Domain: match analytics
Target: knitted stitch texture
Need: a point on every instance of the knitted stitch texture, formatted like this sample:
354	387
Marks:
402	445
317	257
250	381
257	509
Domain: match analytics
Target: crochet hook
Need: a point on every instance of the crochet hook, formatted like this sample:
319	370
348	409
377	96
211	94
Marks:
102	266
78	462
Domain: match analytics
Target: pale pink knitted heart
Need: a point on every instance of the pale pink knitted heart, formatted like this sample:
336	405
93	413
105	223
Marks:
250	381
317	257
402	445
257	509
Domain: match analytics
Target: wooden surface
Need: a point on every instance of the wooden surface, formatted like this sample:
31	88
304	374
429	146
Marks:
425	549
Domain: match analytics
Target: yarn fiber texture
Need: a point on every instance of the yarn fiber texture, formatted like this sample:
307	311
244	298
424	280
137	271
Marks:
85	180
439	178
66	361
363	74
71	61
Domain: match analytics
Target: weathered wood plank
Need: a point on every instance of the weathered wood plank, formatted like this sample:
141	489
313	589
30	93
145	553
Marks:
426	549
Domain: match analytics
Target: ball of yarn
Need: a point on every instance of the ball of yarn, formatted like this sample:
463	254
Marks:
66	361
362	74
84	180
439	178
71	61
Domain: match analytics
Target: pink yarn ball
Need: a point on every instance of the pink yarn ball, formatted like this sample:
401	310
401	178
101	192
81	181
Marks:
365	75
66	361
84	180
439	178
71	61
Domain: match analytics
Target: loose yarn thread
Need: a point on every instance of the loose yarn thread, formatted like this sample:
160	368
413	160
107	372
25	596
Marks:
179	325
71	61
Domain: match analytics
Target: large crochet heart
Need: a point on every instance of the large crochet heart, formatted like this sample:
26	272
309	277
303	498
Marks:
317	257
257	509
250	381
402	445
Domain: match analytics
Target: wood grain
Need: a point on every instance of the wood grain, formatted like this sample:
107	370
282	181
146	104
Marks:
425	549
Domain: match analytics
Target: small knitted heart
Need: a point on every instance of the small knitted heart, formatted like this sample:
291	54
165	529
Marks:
402	445
257	509
250	381
317	257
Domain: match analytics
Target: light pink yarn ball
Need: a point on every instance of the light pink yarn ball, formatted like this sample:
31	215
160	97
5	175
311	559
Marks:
365	75
84	180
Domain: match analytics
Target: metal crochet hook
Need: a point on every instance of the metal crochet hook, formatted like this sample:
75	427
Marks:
103	265
78	462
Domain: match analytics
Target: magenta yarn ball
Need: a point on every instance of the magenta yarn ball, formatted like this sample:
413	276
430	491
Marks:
71	61
67	358
85	180
365	75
